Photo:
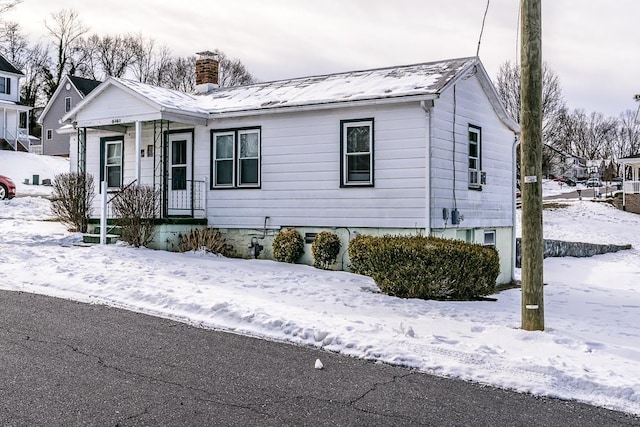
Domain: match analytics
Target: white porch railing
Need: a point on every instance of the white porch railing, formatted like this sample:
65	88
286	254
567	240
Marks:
186	198
632	187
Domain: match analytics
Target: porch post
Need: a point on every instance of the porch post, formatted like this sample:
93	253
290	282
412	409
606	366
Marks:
103	213
138	151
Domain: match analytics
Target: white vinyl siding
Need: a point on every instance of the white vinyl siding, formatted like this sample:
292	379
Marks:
301	172
493	206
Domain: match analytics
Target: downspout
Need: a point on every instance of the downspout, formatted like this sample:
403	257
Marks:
427	107
138	151
514	183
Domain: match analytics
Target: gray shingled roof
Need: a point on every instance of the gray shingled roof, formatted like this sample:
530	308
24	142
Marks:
8	66
426	79
84	86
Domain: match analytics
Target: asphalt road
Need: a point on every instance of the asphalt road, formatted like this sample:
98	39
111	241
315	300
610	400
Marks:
67	363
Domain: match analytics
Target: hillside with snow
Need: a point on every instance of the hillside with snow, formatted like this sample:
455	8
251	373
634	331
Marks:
23	166
590	350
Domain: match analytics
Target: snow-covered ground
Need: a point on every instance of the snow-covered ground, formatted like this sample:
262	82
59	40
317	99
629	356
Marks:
590	350
23	166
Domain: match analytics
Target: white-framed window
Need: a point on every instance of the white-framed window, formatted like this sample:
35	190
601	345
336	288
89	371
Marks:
356	147
475	159
490	237
235	158
49	134
111	161
67	104
5	85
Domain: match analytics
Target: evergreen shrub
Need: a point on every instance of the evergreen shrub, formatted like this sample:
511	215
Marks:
426	267
288	246
325	249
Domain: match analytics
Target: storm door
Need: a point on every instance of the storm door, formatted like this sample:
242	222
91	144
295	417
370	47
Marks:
179	174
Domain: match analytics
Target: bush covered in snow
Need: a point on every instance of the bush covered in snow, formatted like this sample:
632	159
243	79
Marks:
426	267
288	246
325	249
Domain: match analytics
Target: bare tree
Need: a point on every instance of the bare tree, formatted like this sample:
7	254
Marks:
66	28
233	72
553	109
6	5
31	60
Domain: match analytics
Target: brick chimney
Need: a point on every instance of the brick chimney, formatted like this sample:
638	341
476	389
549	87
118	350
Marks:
207	68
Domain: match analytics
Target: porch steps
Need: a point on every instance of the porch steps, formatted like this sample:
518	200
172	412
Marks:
113	235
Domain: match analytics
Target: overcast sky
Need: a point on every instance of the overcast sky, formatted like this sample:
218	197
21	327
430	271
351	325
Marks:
593	45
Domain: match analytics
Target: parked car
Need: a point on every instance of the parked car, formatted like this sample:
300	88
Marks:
594	182
617	182
7	188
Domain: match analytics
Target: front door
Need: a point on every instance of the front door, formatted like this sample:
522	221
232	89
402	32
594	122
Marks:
179	174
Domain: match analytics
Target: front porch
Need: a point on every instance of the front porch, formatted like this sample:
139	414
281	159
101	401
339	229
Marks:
156	154
631	184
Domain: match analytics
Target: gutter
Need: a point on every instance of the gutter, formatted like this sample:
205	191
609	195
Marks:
322	106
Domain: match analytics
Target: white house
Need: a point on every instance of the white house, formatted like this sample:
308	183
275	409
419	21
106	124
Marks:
424	148
13	115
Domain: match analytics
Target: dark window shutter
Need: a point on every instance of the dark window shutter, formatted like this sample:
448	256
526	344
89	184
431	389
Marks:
8	86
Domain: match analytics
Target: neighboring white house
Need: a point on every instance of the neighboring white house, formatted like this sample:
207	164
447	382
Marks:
13	115
424	148
55	137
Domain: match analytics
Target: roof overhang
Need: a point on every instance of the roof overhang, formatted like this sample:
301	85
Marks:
322	106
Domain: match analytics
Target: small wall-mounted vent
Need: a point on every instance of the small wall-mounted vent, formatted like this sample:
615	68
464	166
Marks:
309	238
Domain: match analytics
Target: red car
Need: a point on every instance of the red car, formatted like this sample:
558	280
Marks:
7	188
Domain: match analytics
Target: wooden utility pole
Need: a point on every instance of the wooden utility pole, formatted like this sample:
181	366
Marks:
531	167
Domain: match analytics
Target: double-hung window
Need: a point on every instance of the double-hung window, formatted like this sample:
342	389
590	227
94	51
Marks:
5	85
111	161
67	104
235	161
475	150
356	146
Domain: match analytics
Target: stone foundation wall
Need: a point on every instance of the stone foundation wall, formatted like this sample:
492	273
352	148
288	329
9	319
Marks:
559	248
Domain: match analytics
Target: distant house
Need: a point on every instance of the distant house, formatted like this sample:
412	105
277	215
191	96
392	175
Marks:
425	148
631	183
55	138
13	115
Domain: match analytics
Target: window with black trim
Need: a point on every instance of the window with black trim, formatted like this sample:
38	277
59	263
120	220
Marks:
5	85
49	134
235	158
356	150
475	157
111	161
67	104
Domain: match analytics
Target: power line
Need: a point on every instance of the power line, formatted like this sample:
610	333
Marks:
482	29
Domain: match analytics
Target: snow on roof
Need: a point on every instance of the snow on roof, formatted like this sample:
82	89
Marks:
383	83
425	79
166	98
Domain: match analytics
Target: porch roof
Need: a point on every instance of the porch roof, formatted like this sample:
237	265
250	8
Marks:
631	160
